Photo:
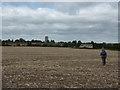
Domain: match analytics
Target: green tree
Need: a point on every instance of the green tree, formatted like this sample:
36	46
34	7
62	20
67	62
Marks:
52	41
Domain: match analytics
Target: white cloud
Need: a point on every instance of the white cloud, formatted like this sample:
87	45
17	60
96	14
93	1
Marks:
85	23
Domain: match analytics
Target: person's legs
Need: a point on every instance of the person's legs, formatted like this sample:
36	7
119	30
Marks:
103	60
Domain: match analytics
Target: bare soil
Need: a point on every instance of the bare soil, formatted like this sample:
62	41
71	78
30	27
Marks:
50	67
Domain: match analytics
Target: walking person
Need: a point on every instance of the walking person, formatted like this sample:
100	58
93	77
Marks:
103	55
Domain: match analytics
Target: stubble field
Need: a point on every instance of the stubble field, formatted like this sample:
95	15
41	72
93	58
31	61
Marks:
50	67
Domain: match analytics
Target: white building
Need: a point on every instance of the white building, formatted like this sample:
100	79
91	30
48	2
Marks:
86	46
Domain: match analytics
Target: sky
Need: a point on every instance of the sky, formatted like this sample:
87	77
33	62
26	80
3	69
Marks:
60	21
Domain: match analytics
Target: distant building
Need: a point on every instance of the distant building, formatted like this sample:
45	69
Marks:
86	46
60	44
16	44
36	43
11	44
46	39
23	44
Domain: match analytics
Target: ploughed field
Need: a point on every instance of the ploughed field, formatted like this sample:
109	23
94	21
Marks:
50	67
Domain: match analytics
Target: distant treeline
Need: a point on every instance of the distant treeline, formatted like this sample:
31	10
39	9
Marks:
52	43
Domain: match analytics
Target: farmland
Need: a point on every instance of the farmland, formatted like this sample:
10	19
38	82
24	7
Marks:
52	67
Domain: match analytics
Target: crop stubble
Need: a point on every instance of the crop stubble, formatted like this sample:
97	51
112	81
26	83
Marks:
50	67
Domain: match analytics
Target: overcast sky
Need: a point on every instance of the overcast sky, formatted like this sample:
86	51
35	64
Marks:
85	21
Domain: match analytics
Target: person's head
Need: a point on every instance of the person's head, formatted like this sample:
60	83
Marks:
103	48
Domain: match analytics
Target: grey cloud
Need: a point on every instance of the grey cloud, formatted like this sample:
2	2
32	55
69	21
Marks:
66	21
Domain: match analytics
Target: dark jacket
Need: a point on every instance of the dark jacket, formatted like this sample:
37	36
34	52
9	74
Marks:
103	53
